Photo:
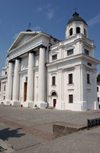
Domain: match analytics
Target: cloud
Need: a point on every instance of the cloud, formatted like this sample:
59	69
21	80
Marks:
37	28
40	9
50	14
47	10
15	36
95	20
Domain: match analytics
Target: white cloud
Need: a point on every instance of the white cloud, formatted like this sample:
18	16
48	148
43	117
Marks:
40	9
47	10
95	20
50	14
15	36
37	28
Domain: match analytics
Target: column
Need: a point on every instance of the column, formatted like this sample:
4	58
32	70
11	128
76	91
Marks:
16	82
42	78
9	83
30	86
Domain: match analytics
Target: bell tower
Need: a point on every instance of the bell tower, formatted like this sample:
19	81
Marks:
75	26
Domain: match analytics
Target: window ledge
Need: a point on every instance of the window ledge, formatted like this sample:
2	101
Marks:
88	86
53	85
70	84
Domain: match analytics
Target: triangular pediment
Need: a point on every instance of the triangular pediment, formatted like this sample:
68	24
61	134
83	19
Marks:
22	38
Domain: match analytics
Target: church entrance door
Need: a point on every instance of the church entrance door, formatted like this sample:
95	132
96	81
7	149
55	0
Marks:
25	91
54	102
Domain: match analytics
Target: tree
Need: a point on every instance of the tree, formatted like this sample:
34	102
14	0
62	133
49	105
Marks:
98	78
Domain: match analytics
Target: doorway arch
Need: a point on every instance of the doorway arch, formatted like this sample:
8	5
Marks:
54	98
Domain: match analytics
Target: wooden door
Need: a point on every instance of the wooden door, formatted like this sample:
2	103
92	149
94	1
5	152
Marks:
25	91
54	102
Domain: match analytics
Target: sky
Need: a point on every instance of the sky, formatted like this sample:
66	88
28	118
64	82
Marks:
49	16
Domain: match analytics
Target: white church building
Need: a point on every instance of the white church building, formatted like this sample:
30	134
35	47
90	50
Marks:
45	72
98	92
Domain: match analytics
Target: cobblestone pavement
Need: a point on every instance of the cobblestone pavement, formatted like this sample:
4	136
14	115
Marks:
27	131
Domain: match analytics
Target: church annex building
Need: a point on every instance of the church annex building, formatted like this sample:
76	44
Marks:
45	72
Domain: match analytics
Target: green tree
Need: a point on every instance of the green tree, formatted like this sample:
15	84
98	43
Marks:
98	78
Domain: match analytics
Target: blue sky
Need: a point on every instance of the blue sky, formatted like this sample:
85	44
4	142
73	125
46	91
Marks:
49	16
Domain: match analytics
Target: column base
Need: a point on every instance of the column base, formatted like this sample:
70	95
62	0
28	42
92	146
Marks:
16	103
84	106
30	104
96	105
7	102
41	104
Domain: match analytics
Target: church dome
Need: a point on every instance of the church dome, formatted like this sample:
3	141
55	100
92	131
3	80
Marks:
76	17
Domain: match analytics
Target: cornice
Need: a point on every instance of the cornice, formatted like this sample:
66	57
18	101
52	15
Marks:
79	56
73	40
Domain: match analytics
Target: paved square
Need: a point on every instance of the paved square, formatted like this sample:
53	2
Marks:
29	130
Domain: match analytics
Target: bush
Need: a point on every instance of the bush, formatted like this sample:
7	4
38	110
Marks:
35	105
98	78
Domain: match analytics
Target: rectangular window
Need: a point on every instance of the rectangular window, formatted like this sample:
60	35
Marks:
88	78
98	99
97	89
86	52
4	87
70	98
5	73
69	52
53	80
54	57
89	64
70	78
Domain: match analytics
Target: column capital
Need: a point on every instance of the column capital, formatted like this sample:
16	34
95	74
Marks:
18	58
11	61
31	51
42	46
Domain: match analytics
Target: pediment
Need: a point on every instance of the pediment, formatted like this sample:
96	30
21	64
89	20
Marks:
22	38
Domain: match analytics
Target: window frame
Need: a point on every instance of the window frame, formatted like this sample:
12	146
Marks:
78	30
70	52
71	31
53	80
54	57
88	78
85	32
87	52
4	87
70	98
70	78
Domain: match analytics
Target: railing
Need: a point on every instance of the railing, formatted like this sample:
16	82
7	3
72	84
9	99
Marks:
93	122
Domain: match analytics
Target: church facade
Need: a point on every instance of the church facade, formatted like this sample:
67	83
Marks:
43	72
98	92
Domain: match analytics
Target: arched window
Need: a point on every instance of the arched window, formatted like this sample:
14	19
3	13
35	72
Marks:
54	94
71	31
85	33
78	30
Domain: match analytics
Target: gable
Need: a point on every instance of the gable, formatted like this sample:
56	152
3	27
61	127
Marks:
22	38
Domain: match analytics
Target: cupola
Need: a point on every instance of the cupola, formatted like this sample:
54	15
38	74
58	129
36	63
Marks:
75	26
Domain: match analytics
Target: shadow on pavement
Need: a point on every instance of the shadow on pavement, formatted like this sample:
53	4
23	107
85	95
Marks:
10	133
